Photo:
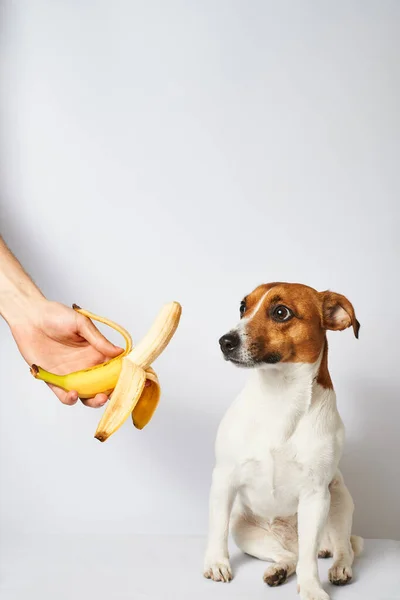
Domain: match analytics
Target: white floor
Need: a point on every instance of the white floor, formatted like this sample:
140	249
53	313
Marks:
165	568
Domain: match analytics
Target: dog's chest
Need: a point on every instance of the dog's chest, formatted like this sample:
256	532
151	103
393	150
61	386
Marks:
268	445
270	477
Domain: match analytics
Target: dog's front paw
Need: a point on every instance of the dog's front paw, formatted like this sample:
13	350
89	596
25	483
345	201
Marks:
340	574
311	591
218	570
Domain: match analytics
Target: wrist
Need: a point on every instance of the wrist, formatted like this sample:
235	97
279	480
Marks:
21	303
20	299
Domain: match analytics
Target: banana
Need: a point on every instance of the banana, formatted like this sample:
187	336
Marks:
95	380
134	385
148	349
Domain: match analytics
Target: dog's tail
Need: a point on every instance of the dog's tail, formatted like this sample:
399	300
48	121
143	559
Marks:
357	543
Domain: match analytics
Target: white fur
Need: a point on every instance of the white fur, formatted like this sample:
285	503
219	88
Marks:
276	479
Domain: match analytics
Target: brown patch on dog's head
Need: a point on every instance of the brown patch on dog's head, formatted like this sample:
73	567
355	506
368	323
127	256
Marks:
287	322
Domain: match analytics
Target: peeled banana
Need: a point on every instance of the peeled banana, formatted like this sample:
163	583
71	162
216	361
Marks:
133	383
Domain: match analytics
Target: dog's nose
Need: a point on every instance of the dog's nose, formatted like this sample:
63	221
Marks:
229	342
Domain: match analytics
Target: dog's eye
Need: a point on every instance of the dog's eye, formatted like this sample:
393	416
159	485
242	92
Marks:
281	313
242	308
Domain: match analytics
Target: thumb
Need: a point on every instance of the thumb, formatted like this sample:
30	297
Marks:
89	332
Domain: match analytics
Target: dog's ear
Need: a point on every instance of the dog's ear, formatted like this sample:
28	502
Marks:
338	313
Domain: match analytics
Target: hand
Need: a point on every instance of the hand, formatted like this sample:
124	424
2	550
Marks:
62	341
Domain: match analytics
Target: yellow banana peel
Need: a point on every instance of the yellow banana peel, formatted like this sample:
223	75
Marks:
148	401
134	384
127	392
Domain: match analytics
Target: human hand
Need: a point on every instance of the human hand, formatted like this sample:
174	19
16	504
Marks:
61	340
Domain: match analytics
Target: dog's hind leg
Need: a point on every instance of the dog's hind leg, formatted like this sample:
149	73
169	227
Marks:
339	523
274	544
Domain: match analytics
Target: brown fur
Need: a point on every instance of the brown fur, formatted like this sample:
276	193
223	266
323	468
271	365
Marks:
302	338
324	378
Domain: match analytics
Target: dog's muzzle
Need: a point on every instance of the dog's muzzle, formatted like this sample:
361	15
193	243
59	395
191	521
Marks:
239	352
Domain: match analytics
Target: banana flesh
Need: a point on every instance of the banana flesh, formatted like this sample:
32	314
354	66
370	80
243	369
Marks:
134	385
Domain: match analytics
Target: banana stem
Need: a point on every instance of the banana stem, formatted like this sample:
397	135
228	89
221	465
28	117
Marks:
39	373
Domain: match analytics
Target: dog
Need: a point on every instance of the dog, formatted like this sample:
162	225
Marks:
276	483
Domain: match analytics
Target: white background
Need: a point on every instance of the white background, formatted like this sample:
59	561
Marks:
189	150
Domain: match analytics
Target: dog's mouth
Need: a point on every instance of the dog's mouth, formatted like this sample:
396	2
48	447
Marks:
272	358
244	364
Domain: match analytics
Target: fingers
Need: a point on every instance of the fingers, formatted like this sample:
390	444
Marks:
68	398
90	332
71	398
95	402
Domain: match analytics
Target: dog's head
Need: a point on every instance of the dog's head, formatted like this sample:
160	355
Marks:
285	322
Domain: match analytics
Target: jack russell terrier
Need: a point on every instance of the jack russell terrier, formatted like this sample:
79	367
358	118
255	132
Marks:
276	481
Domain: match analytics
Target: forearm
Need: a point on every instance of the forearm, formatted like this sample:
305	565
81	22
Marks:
19	296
